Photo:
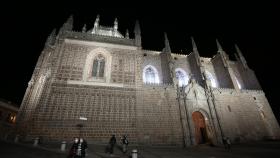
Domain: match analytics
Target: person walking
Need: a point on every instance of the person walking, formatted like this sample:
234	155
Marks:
124	143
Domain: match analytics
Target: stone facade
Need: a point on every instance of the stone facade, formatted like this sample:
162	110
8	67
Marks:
95	85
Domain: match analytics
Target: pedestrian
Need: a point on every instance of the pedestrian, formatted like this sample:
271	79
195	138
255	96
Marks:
82	147
124	143
228	143
225	142
74	149
112	143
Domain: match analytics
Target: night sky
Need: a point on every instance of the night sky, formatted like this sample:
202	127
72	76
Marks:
254	27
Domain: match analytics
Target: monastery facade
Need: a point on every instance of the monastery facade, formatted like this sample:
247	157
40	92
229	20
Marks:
98	82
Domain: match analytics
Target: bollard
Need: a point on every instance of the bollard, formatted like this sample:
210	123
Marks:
63	146
36	141
134	153
16	138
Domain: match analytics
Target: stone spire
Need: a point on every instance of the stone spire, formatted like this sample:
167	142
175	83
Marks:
195	51
116	24
241	57
67	26
115	27
225	60
220	49
84	29
194	45
137	33
69	23
127	34
96	23
167	48
137	29
167	64
51	38
222	53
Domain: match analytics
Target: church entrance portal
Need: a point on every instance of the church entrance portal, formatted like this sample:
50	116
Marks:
200	128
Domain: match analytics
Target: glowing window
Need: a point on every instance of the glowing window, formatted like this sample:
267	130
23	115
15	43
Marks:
211	78
98	66
182	77
11	118
150	75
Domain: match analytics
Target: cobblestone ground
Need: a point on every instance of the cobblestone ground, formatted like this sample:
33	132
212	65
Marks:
12	150
268	149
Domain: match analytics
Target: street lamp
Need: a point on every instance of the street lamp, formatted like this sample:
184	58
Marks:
83	118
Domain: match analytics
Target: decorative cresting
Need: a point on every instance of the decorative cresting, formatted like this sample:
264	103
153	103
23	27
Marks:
98	66
106	31
182	77
150	74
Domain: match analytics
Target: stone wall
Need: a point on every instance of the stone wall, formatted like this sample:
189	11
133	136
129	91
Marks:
246	77
181	61
236	69
153	59
222	74
194	68
108	111
165	59
240	116
158	119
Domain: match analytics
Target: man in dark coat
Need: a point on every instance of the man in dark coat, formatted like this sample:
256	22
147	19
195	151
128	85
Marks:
82	147
228	143
112	143
74	149
124	143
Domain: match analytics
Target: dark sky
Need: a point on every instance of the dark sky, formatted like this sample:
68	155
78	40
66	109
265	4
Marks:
253	26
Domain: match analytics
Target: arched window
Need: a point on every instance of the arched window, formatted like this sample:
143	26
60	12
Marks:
150	75
98	66
211	78
182	77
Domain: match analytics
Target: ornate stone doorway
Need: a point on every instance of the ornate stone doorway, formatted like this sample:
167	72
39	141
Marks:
201	136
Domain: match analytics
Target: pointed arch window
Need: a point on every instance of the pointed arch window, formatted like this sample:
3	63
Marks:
98	67
150	75
182	77
212	79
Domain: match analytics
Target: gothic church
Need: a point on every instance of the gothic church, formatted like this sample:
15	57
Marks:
98	82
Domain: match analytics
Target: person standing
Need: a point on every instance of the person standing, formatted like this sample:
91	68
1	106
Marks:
112	143
225	142
82	147
74	149
124	143
228	143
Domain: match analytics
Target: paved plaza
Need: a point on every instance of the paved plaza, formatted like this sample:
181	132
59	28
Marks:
264	149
